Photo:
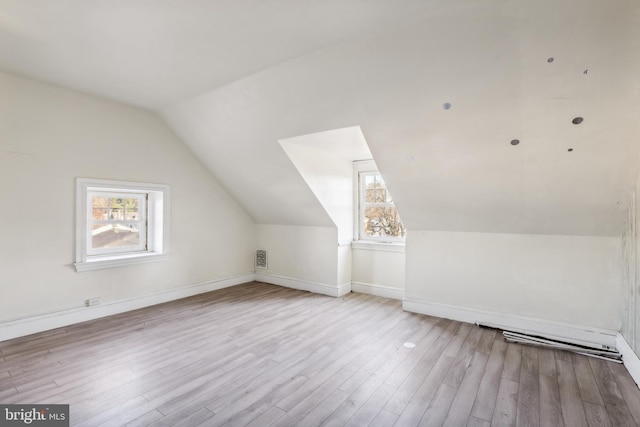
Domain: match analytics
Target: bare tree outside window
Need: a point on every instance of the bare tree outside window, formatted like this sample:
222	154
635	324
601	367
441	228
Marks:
379	214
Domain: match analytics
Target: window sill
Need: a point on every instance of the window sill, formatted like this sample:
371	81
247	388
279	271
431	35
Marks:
99	263
370	245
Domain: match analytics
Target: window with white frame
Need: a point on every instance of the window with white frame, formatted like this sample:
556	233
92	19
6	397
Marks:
377	216
120	223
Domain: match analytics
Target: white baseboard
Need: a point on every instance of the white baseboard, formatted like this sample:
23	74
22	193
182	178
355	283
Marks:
584	335
344	289
44	322
304	285
629	358
377	290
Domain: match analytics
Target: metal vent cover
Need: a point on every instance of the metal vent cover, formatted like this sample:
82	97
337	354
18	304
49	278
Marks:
261	258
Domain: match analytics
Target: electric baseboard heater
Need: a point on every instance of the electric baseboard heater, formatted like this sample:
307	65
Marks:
540	341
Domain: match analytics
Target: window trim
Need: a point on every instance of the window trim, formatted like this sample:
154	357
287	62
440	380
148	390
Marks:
360	168
376	246
158	224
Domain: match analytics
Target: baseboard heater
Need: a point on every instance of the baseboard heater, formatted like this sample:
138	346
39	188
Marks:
535	340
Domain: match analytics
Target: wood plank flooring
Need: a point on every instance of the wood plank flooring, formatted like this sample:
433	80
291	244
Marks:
261	355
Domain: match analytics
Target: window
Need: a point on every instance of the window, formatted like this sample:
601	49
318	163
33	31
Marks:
378	218
120	223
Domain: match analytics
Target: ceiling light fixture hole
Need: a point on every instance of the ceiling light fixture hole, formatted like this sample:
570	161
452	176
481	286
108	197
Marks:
550	59
577	120
515	141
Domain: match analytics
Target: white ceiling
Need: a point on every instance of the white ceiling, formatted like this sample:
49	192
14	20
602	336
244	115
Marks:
232	78
152	53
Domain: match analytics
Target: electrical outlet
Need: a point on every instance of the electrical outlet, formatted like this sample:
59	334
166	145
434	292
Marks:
92	301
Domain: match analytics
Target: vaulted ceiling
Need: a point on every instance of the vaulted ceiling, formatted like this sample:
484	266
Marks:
153	53
232	78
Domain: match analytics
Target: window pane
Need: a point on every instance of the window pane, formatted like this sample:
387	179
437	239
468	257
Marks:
131	204
115	235
370	181
373	181
376	190
99	214
116	203
131	215
117	214
370	195
99	202
131	209
383	222
371	185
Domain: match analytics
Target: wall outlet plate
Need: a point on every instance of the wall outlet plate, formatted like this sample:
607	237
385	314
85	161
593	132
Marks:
92	301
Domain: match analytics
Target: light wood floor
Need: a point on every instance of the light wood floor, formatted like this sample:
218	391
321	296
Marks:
263	355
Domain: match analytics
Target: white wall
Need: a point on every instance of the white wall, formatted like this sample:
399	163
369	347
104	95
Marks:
325	161
300	252
378	271
345	263
568	279
630	254
48	137
331	180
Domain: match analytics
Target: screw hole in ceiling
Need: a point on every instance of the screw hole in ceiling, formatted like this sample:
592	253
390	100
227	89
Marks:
570	150
550	60
577	120
585	72
446	105
515	141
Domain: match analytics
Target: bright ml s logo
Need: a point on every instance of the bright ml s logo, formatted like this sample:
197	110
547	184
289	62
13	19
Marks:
27	417
34	415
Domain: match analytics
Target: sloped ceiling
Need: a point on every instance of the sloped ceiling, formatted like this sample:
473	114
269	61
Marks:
388	67
152	53
325	162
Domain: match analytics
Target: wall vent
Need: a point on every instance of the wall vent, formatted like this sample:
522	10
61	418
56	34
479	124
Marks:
261	258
